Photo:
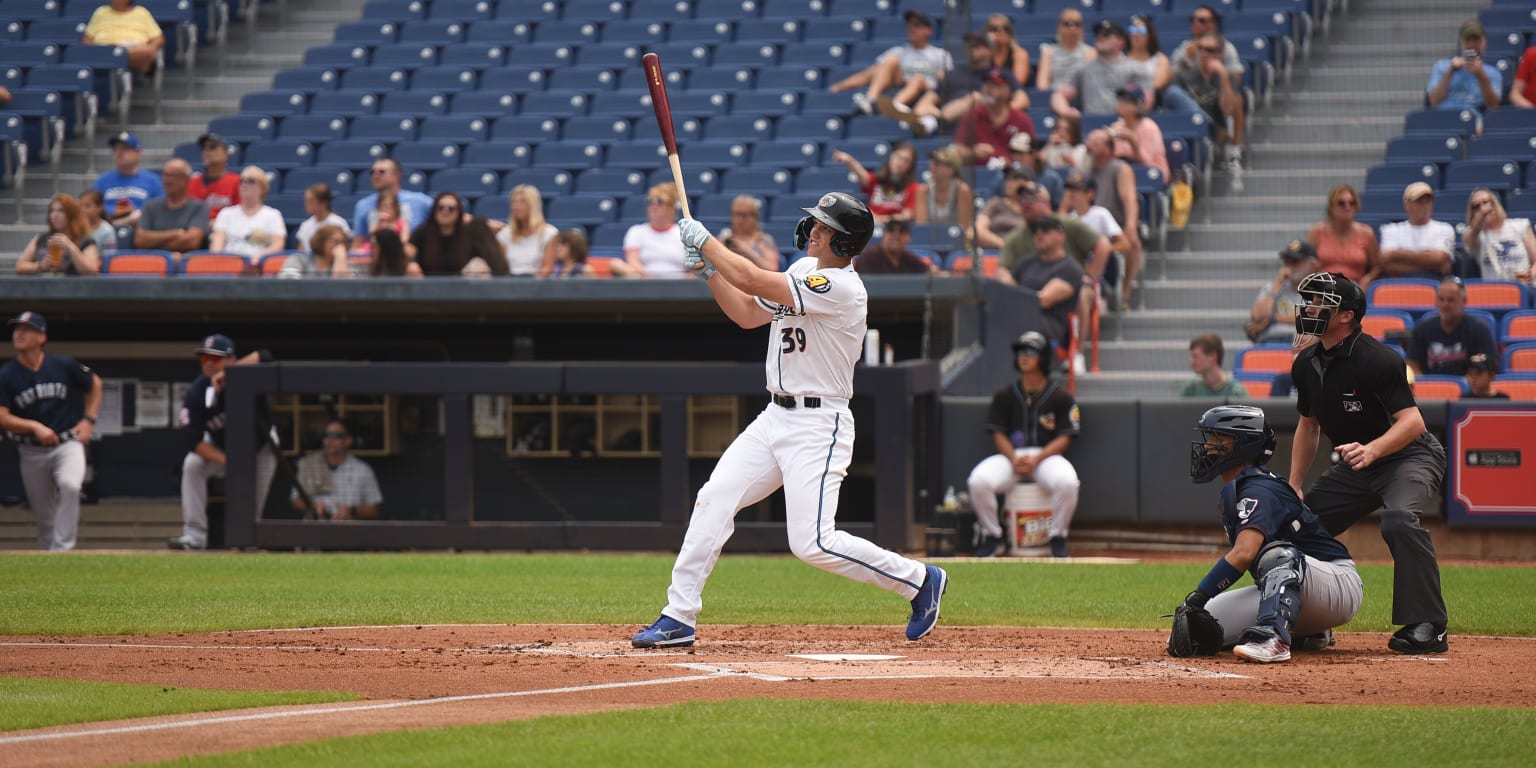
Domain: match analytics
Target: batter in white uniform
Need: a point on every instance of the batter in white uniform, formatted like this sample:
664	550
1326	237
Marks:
803	440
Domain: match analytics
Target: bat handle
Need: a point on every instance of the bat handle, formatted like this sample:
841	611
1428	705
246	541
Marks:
677	177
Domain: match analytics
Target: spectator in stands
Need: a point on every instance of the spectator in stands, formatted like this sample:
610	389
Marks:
386	176
1481	369
325	255
1087	247
1466	81
945	198
1420	246
386	215
1144	51
1204	20
912	68
126	188
1272	318
527	241
5	94
454	242
1004	213
957	93
317	203
1118	182
1136	138
745	235
102	231
570	255
890	192
1343	244
1007	54
890	255
251	229
176	222
215	185
1443	343
1095	84
1204	80
120	22
1024	149
66	247
1064	150
1205	358
654	249
1059	61
1078	202
1505	248
984	133
1054	278
342	486
389	259
1523	92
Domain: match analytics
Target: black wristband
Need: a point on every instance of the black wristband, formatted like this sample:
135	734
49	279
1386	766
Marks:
91	419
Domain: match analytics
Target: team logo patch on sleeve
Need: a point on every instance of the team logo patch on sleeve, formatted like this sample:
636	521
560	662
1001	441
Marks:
1246	506
817	283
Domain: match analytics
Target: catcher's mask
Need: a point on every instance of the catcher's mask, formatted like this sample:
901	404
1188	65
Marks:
1324	294
1252	443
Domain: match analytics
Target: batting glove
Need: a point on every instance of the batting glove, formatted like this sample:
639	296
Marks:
697	264
693	233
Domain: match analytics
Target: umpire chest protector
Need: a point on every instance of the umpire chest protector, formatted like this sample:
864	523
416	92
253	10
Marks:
1353	389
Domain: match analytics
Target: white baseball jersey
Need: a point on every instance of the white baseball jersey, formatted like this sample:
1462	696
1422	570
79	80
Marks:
815	343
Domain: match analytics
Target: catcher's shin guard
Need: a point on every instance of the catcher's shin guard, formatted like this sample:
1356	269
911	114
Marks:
1280	570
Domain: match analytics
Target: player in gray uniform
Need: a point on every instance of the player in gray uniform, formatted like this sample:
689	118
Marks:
49	402
803	440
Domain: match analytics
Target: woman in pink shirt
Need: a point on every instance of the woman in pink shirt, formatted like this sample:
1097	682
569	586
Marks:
1137	139
1343	244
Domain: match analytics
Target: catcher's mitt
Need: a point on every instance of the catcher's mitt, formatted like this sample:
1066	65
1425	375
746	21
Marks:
1195	633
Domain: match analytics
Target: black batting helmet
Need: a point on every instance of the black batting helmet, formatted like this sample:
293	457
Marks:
844	214
1033	341
1253	442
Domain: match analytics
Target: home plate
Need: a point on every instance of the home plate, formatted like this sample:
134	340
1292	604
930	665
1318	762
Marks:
844	656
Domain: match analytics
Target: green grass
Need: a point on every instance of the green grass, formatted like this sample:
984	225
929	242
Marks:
151	593
773	733
28	703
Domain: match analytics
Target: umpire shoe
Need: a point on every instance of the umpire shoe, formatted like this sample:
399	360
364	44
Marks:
925	607
990	546
666	632
1264	650
1059	547
182	542
1419	638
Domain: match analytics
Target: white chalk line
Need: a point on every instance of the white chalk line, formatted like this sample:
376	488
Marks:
218	720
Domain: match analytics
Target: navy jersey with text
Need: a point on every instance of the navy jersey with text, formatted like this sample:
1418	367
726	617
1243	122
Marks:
1265	502
1032	420
53	395
202	413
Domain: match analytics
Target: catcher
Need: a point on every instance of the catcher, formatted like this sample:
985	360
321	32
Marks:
1304	580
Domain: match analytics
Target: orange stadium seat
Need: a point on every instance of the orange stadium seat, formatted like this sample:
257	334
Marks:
1431	387
273	263
1520	357
213	264
1495	295
600	266
962	264
1266	358
1405	293
138	263
1258	384
1379	324
1519	326
1518	387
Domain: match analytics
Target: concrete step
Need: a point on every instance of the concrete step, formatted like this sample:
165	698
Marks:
109	524
1215	294
1160	355
1331	104
1245	236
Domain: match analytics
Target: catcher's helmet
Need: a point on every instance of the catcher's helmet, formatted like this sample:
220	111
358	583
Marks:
844	214
1253	442
1033	341
1332	292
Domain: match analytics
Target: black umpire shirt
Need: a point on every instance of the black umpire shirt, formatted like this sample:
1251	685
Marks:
1353	389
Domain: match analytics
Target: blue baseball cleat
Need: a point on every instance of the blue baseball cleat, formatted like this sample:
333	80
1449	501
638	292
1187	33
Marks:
666	632
925	607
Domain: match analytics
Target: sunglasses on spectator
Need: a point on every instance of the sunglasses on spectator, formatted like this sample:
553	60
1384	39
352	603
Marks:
657	201
1070	23
1202	19
998	28
1346	203
250	181
336	434
1482	203
1136	29
377	171
447	207
1210	50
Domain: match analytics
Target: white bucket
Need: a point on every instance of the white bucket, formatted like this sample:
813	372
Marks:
1027	510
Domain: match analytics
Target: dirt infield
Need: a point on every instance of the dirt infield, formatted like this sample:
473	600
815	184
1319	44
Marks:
416	677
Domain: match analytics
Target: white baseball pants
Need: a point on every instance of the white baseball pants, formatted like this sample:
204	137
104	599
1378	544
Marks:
1330	595
195	471
52	476
994	475
805	450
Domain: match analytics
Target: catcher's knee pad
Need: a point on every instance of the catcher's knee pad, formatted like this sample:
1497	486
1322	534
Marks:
1280	565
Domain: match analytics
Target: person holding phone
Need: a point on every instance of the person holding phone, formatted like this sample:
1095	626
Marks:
1466	81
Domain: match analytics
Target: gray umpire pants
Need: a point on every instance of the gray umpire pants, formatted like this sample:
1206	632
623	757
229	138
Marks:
52	476
1401	486
195	471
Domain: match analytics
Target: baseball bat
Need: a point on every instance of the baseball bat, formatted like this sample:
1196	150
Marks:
658	85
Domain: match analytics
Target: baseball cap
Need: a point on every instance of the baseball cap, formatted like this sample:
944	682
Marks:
1482	362
1045	223
211	138
1021	142
1018	170
1131	92
1298	250
1418	190
217	345
32	319
1471	28
124	137
1077	180
975	40
914	16
1107	27
948	154
998	76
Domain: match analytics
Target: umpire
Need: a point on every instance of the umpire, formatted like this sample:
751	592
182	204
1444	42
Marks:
1354	388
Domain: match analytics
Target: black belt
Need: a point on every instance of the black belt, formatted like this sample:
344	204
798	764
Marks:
788	401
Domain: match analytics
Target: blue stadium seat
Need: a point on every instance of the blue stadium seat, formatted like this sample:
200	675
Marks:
786	154
878	128
445	79
742	128
546	104
349	103
890	7
413	103
459	128
774	105
278	154
1451	204
720	80
643	155
482	104
404	56
823	52
727	9
1511	120
610	235
549	181
567	32
768	32
681	56
31	10
756	180
809	128
601	129
427	154
1511	146
502	31
593	10
27	53
1441	122
1494	174
698	104
244	127
1383	203
582	79
512	80
830	178
341	180
367	32
611	182
1437	149
374	79
476	56
395	10
791	9
701	31
619	33
756	54
570	156
356	154
791	77
629	105
584	211
432	32
608	56
63	31
836	32
337	56
718	155
461	10
306	79
1389	177
470	182
504	155
522	129
699	181
666	10
389	129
